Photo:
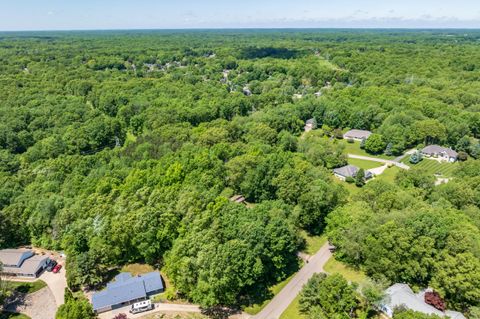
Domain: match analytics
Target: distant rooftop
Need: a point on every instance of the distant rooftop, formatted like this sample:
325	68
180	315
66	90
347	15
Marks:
437	149
357	134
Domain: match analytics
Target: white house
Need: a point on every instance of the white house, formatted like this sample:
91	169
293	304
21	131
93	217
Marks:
441	153
357	135
401	295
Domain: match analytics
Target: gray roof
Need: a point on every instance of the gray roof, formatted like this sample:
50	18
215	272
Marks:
350	171
310	121
437	149
401	295
14	257
126	288
29	267
358	134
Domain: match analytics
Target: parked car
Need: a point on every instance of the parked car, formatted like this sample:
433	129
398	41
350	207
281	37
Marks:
57	268
51	264
142	306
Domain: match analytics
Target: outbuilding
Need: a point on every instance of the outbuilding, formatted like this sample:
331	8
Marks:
357	135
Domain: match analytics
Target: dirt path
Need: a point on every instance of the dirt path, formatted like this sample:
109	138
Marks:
281	301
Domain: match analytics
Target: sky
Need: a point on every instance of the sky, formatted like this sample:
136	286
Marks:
186	14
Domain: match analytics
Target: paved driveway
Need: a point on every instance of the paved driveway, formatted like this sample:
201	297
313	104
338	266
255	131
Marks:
57	284
159	307
379	160
285	297
39	305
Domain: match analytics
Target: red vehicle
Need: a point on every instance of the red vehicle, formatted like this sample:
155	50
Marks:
57	268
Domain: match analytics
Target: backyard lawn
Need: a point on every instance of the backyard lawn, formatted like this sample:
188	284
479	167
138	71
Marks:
137	269
26	287
354	148
433	167
389	174
363	163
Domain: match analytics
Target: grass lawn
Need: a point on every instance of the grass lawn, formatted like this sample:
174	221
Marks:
27	287
313	243
137	269
292	311
433	167
334	266
363	163
354	148
256	308
11	315
389	174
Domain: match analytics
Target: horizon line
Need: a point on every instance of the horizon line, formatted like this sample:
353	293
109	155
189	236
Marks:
240	28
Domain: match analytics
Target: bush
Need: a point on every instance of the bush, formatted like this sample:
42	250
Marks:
350	180
350	140
462	156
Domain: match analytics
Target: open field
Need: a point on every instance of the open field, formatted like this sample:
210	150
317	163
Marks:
354	148
433	167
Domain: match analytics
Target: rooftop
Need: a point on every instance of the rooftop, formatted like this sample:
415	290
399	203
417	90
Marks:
14	257
126	288
358	134
437	149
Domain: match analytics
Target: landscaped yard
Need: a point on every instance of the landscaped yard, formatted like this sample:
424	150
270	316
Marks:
354	148
254	309
389	174
433	167
11	315
27	287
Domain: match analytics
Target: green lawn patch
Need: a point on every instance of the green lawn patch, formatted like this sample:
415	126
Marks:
432	167
137	269
27	287
389	174
292	311
256	308
12	315
363	163
312	243
334	266
354	148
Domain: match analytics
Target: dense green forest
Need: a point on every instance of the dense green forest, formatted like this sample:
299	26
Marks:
121	147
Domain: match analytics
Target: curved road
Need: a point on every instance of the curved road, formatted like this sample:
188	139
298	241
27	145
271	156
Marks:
285	297
379	160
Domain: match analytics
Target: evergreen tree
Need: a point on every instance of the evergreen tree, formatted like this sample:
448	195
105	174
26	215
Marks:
360	178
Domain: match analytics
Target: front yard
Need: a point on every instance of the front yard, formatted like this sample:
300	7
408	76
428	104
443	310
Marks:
27	287
433	167
354	148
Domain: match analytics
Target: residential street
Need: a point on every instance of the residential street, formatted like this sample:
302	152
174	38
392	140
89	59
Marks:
281	301
379	160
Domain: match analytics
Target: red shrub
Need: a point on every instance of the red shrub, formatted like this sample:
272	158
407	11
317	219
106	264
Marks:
434	299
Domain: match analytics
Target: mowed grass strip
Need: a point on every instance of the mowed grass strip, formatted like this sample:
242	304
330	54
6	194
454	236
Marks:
430	166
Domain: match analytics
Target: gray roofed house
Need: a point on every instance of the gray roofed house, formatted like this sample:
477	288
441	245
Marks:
126	290
357	135
442	153
401	295
22	263
349	171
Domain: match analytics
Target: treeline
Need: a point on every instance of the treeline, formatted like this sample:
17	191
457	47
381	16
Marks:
125	147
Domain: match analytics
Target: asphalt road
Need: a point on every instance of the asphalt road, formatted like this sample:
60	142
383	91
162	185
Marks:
285	297
379	160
